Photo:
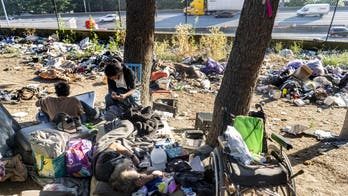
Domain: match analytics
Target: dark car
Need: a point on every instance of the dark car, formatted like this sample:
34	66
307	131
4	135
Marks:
338	32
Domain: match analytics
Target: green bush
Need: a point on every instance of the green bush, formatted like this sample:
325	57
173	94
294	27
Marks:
336	59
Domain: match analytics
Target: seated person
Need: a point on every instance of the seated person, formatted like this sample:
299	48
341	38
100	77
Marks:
51	106
115	164
121	85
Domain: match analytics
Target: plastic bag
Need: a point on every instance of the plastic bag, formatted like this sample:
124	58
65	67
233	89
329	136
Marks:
6	132
317	67
239	149
212	67
78	158
48	167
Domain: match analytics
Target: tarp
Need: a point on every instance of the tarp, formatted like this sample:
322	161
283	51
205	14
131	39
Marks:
8	127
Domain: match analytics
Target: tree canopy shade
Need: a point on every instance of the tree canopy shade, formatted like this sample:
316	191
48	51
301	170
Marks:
253	36
140	40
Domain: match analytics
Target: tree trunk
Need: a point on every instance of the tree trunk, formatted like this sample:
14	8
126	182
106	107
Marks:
252	38
344	131
140	40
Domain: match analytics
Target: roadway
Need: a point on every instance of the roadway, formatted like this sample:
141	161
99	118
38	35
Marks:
286	23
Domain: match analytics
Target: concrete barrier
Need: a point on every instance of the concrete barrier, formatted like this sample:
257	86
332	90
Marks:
160	36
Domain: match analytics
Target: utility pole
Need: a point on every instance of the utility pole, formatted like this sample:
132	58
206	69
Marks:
3	6
186	1
56	12
84	5
333	16
119	13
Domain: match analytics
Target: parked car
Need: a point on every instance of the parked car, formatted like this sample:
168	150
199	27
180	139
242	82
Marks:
338	32
314	9
108	18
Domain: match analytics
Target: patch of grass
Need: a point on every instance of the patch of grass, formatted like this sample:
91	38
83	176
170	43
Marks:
278	46
296	47
336	59
95	47
214	45
117	41
163	51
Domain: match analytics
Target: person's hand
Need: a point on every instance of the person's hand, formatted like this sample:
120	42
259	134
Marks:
114	95
157	173
120	149
135	160
119	97
122	96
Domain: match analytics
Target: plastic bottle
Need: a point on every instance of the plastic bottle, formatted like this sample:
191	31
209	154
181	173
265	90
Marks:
42	117
158	158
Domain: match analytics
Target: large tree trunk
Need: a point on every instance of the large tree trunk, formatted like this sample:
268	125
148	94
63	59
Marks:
344	131
140	40
252	38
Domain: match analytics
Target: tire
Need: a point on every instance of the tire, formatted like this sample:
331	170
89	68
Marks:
291	186
218	171
285	190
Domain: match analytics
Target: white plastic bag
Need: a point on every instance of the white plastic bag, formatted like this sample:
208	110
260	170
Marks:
239	149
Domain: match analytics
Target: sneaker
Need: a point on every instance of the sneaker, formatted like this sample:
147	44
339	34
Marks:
78	124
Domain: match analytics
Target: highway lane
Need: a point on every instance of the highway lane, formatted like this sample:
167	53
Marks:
285	18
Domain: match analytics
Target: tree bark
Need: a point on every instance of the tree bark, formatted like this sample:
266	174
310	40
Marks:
344	131
252	39
140	40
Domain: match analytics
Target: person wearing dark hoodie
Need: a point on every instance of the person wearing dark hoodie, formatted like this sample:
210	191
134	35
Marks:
116	164
122	90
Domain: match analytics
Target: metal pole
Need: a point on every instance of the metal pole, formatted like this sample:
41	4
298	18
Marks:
186	1
119	13
333	16
84	5
3	6
56	12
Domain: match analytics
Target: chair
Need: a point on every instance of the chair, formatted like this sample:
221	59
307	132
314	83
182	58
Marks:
274	177
137	69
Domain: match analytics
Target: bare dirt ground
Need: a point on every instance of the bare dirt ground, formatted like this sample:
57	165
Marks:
325	166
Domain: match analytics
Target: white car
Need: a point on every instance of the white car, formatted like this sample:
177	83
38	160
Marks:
108	18
314	9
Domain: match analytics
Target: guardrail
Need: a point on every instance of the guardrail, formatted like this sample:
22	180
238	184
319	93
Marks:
160	36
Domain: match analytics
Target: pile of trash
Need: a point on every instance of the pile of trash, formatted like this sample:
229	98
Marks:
300	81
192	75
306	81
58	60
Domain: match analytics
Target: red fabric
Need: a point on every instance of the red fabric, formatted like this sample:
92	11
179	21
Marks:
158	74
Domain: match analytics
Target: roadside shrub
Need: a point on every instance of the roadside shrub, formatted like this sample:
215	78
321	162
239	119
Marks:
183	41
296	47
336	59
278	46
214	45
95	46
163	51
117	41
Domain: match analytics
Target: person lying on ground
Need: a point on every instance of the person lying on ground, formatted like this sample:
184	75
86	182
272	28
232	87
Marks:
51	106
121	85
115	164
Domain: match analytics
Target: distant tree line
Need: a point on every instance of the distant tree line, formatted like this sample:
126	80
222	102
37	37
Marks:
19	7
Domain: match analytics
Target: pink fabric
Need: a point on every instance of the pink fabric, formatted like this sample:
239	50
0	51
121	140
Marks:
269	8
78	158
